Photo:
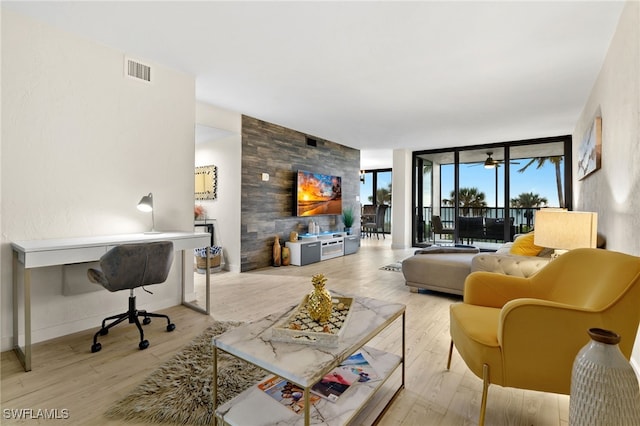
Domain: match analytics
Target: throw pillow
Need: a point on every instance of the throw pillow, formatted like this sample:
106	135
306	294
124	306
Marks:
523	246
504	249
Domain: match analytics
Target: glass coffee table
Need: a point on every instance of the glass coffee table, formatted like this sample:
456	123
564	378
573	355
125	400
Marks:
304	365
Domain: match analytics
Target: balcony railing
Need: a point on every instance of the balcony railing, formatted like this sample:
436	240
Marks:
522	217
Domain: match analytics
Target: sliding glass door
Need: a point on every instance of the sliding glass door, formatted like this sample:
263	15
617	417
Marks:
485	195
540	180
481	195
434	216
376	189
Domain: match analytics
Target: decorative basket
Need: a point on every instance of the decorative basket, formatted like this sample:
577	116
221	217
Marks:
215	258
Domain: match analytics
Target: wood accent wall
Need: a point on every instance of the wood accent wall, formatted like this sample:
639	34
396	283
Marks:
267	207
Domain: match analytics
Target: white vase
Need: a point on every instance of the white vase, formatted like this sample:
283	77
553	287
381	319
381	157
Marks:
604	387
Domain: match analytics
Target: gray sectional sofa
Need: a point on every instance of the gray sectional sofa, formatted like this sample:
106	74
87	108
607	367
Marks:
444	269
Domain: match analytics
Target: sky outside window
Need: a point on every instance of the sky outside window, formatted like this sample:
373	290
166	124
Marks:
539	181
366	188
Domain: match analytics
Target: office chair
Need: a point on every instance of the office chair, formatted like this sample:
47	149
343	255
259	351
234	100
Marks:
129	266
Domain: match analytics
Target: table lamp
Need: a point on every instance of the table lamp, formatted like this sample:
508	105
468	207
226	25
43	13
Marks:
565	230
146	205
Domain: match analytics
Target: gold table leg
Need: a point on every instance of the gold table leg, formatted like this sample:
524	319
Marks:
485	390
214	394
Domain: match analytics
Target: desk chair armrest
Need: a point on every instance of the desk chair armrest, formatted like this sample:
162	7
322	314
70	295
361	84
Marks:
96	276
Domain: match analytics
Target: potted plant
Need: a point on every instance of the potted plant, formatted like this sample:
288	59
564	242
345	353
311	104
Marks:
348	216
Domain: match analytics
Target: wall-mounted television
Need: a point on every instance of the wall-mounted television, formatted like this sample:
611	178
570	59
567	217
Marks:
317	194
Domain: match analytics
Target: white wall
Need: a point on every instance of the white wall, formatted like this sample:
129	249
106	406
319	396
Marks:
225	152
80	145
613	190
402	202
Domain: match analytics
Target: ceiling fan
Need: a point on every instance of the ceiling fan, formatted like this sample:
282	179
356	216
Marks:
490	163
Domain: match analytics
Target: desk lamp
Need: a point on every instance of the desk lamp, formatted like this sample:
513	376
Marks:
146	205
565	230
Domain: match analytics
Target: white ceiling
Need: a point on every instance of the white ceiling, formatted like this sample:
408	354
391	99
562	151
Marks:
370	75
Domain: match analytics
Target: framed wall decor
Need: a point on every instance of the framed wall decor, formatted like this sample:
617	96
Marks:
590	151
206	182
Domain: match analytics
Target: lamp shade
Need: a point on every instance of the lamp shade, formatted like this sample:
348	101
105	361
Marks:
146	203
565	230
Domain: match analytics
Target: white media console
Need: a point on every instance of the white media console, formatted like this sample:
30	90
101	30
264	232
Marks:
311	248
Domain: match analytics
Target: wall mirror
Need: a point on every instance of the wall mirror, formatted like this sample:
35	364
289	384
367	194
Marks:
206	182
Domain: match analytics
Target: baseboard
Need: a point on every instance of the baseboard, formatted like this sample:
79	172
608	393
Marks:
81	324
399	246
231	267
6	344
190	297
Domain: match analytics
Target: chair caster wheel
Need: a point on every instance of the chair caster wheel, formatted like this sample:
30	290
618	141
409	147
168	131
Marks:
171	327
144	344
96	348
146	321
104	332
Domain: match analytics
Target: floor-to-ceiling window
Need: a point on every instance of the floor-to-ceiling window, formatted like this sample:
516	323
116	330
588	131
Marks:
375	189
423	196
487	194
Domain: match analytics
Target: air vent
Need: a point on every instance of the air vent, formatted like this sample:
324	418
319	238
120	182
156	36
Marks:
311	142
137	70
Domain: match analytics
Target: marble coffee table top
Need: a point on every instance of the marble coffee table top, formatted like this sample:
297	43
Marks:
301	363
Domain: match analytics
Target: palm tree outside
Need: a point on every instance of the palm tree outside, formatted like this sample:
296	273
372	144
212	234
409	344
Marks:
529	201
383	196
470	200
556	161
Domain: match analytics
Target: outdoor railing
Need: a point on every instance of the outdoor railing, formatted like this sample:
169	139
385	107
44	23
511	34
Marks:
521	222
522	217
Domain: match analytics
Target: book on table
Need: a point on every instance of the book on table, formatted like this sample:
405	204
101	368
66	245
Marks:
355	369
286	393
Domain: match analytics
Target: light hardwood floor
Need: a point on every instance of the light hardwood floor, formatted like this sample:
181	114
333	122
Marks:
67	376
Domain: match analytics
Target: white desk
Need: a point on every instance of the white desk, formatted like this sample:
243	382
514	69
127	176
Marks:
39	253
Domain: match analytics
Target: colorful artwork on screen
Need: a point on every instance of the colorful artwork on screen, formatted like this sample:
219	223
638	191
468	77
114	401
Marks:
318	194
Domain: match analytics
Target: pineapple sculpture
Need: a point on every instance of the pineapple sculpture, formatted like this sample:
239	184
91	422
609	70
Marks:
319	303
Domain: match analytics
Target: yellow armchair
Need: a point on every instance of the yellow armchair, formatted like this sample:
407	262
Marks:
526	332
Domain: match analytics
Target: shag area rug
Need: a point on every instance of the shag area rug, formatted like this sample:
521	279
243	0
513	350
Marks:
395	267
180	390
